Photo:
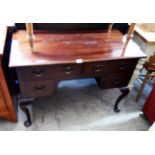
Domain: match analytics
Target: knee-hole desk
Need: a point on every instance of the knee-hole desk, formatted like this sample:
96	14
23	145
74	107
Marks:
59	56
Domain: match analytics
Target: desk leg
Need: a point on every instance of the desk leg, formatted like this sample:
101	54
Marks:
23	102
125	92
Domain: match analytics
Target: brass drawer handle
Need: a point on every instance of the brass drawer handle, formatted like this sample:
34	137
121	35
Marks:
117	81
40	89
123	66
68	70
38	72
98	67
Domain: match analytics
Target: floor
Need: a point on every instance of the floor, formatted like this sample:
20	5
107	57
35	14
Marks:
79	105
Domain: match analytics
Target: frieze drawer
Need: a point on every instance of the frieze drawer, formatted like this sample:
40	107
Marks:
50	72
98	68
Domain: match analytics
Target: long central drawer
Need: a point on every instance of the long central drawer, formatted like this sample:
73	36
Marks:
50	72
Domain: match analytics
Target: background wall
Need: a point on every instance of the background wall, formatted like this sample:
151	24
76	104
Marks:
123	27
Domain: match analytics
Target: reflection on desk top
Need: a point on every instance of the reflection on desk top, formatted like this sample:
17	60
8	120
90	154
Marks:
65	48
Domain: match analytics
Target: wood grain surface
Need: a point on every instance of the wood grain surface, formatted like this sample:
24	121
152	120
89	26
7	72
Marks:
66	48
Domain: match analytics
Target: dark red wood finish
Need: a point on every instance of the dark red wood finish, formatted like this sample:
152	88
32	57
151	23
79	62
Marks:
65	48
71	55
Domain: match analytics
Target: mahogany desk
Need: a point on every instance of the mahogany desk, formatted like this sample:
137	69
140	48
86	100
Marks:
71	55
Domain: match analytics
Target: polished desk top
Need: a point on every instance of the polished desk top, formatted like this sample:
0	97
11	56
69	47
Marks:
73	47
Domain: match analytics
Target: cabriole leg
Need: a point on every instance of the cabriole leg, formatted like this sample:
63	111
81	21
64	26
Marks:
23	102
125	92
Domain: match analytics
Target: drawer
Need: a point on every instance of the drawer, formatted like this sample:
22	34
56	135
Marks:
114	80
50	72
98	68
3	107
38	88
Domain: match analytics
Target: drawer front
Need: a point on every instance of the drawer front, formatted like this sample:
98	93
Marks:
98	68
114	80
50	72
38	88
